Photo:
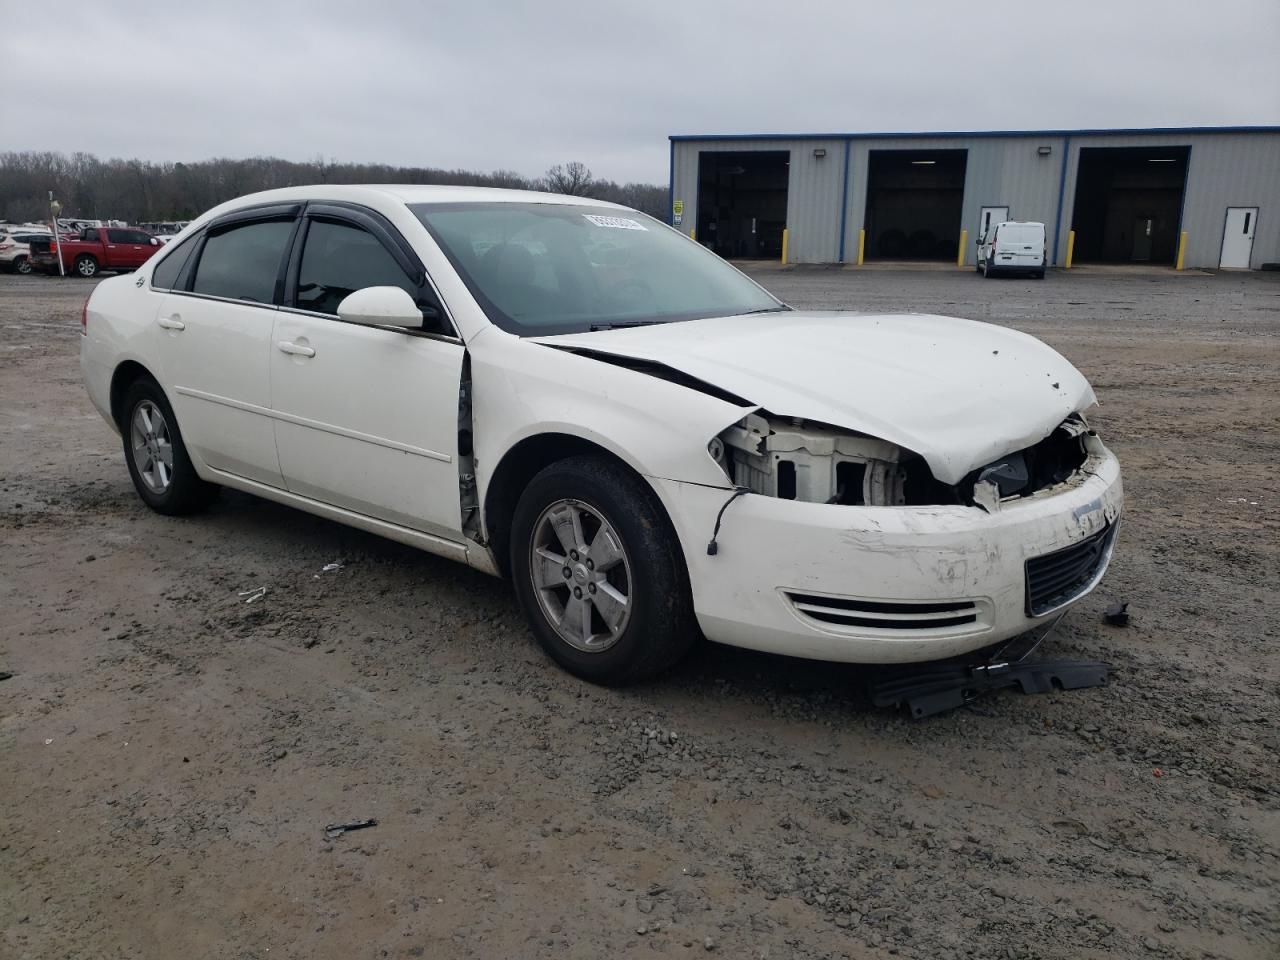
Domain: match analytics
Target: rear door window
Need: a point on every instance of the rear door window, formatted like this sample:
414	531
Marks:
1016	233
243	262
339	259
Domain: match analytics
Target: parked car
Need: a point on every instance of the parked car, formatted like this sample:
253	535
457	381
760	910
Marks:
1014	246
15	248
96	249
649	447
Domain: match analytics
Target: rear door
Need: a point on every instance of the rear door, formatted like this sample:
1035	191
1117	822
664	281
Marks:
1019	245
214	328
366	418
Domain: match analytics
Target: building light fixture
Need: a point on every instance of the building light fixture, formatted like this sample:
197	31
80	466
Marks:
1044	150
1163	160
820	152
923	163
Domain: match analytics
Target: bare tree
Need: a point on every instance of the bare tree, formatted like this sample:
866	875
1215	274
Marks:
572	178
137	190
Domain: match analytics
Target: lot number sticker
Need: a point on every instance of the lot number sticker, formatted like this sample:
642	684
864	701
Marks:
617	223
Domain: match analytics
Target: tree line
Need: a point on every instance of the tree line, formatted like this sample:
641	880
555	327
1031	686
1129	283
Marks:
140	191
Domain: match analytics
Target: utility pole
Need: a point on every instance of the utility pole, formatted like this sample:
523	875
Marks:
54	209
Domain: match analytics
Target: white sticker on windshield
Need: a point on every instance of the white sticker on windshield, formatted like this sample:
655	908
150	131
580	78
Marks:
618	223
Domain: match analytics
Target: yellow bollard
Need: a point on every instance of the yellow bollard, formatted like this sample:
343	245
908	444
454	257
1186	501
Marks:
964	242
1071	248
693	233
862	245
785	234
1182	250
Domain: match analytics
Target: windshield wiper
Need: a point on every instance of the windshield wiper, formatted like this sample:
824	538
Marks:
627	323
778	309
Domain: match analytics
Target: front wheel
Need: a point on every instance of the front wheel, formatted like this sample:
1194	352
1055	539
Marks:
599	572
987	272
86	266
162	472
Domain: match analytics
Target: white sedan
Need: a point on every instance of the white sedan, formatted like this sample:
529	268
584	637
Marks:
649	445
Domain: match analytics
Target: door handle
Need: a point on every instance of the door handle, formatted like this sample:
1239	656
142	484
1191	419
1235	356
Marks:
171	323
294	349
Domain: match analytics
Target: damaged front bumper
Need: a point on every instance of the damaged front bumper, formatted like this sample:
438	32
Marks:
891	584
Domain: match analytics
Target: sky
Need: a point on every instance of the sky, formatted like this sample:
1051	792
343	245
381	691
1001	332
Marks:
524	85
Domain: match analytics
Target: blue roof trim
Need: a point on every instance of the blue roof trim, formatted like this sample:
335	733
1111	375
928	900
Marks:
957	134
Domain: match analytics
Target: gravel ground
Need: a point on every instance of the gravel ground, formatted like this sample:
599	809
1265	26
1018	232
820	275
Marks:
169	755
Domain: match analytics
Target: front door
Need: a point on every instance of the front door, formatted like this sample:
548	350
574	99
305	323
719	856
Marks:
1237	237
366	418
215	347
128	249
988	217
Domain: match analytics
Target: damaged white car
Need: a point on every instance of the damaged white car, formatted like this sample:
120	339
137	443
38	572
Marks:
573	395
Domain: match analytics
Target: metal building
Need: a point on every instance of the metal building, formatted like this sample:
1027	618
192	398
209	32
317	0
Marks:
1194	197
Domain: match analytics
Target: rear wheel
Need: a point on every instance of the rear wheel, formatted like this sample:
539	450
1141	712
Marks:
22	264
158	463
599	572
86	266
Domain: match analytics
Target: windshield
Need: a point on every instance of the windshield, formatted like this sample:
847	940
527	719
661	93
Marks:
547	268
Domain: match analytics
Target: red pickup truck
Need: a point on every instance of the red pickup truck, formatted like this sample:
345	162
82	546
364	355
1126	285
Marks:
97	248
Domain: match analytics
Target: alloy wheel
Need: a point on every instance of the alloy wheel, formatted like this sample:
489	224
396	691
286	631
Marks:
152	446
581	575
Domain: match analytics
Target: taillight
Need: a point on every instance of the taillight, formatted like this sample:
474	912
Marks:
84	317
6	246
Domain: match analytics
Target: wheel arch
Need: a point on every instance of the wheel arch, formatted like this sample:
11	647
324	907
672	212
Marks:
520	464
124	376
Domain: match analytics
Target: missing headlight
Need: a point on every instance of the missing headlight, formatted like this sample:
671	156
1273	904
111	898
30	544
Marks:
794	459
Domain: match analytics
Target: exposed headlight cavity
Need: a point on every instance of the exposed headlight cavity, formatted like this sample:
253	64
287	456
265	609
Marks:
794	459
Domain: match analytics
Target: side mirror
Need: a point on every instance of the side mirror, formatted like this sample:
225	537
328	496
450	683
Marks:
381	307
155	242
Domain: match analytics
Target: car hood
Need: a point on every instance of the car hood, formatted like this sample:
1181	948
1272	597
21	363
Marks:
957	392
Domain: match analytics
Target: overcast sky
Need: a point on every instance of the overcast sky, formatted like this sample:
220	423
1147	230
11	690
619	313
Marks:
522	85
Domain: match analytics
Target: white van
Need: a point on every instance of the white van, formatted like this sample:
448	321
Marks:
1012	246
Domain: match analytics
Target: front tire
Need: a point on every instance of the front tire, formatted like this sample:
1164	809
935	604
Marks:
86	266
158	463
599	572
987	272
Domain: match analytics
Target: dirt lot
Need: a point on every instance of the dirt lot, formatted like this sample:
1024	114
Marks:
169	755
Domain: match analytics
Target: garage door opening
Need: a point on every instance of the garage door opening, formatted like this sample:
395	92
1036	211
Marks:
742	203
913	204
1129	204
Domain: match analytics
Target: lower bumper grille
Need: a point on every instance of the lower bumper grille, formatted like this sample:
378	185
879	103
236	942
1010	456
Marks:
1058	578
884	615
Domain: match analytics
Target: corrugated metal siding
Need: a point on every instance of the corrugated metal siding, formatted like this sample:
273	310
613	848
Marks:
1226	169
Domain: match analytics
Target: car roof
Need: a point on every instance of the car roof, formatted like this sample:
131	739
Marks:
408	193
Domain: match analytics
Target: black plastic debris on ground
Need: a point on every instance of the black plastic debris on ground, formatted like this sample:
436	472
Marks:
334	830
933	688
1118	614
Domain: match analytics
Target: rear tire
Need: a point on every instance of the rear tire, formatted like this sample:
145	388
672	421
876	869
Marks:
22	265
603	525
86	266
157	458
1039	274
